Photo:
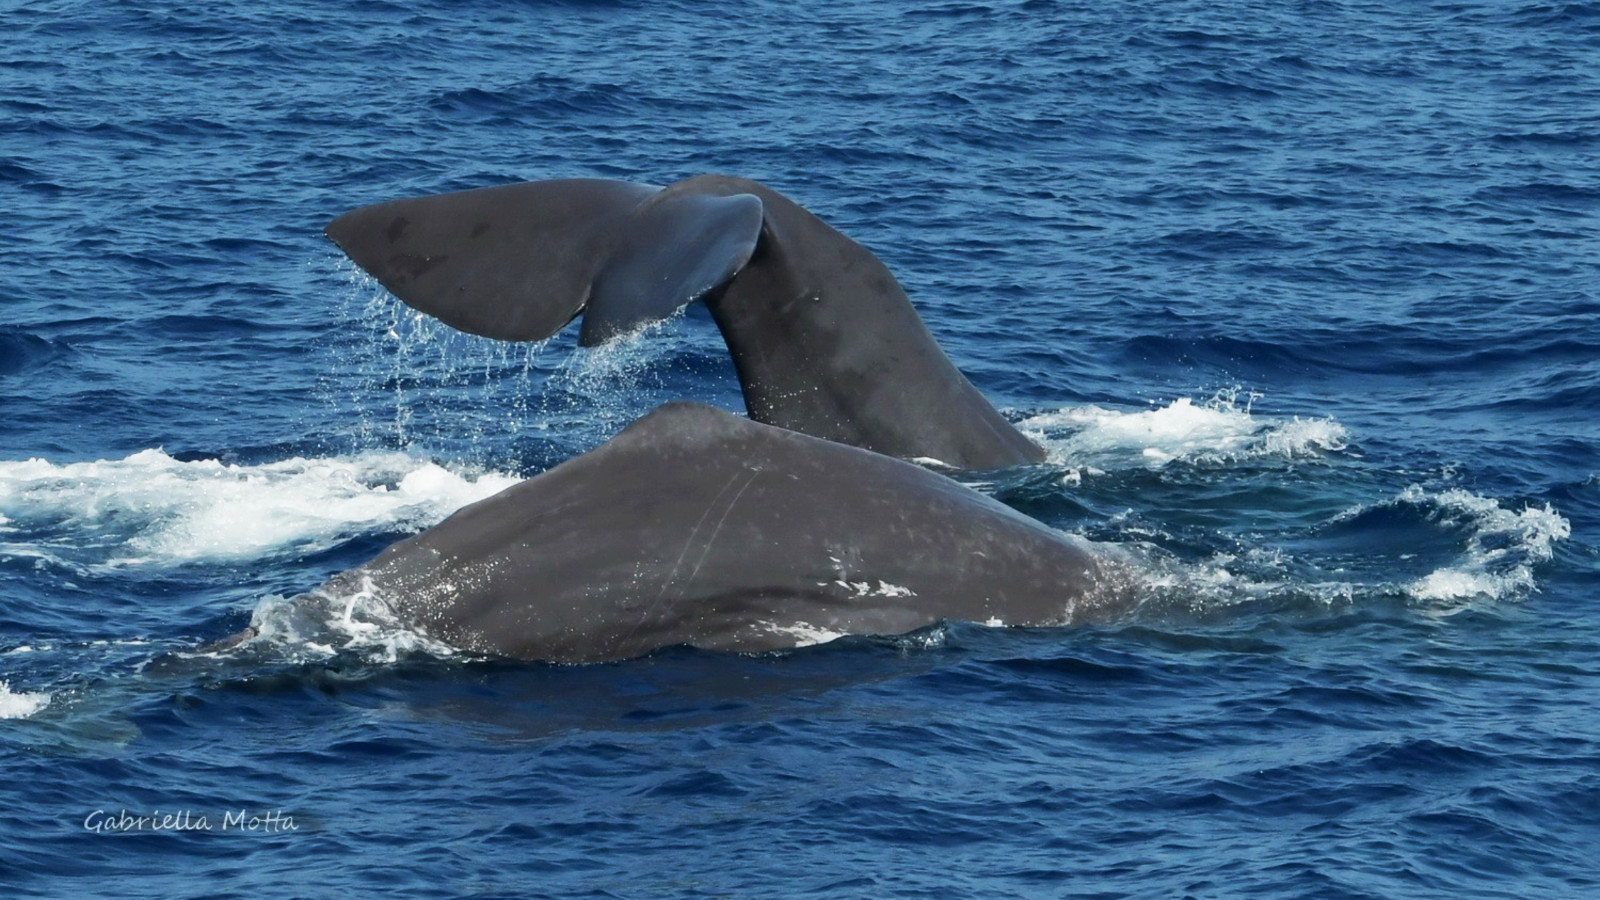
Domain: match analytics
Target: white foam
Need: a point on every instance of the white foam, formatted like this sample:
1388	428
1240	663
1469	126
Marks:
20	705
318	625
862	589
1497	560
1219	430
151	509
1503	545
1159	580
928	639
1453	584
805	635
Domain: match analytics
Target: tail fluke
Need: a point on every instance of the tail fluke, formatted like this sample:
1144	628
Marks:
824	340
675	247
518	262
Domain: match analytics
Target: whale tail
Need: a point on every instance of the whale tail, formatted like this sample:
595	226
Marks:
520	261
823	338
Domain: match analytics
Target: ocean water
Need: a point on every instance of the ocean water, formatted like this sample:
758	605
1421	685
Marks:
1302	298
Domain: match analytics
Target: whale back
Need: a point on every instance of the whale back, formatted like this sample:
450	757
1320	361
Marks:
694	526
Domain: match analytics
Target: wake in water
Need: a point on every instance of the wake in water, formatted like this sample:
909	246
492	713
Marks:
1435	547
1468	549
158	516
1491	553
152	510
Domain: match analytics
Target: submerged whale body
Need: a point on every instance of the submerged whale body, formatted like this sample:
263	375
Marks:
824	340
697	527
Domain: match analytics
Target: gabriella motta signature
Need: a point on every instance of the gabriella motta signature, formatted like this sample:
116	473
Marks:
241	821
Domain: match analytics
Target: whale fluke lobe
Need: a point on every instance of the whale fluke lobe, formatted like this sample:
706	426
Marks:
824	340
674	248
512	262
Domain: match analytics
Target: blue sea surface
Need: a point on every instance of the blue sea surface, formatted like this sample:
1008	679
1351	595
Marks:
1303	298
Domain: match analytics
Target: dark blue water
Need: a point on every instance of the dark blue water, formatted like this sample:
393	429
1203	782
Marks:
1301	296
